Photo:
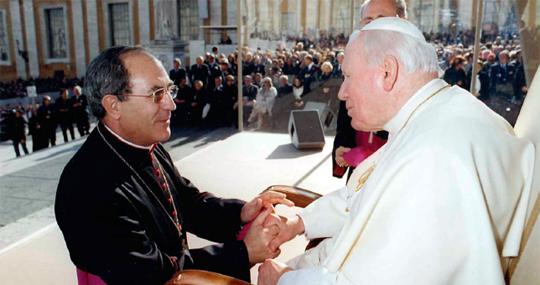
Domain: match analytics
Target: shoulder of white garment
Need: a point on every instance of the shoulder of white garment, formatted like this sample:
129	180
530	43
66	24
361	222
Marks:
326	215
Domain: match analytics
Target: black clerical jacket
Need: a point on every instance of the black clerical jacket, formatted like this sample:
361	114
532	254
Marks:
117	228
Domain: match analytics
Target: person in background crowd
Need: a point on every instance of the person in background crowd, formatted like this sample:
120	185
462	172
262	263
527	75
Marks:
225	69
230	93
284	87
520	83
249	90
178	72
183	101
17	129
258	67
298	92
199	71
214	70
217	101
308	73
47	120
455	74
79	104
264	103
482	82
257	79
199	100
338	73
35	129
502	77
326	71
64	113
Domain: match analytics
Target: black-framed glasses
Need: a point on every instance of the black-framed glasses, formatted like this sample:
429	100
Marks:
157	95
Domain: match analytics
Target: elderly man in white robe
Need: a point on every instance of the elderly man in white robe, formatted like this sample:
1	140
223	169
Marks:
438	203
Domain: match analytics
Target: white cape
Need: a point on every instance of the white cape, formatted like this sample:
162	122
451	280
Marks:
438	207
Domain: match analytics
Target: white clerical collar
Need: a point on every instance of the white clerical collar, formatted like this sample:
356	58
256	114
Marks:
127	142
398	121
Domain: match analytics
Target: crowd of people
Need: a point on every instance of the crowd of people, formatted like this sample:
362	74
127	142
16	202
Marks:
500	69
208	91
42	120
17	88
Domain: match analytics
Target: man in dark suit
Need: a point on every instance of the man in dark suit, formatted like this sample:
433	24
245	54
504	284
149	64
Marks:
127	222
519	83
249	89
308	73
199	71
183	102
337	72
64	112
502	77
46	115
284	87
214	70
79	104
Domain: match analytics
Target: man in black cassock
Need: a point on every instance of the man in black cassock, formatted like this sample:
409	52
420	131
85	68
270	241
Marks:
123	207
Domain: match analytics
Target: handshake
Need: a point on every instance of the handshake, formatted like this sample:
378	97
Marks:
267	232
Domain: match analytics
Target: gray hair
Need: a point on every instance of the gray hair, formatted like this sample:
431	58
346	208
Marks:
269	80
107	75
78	88
401	8
415	55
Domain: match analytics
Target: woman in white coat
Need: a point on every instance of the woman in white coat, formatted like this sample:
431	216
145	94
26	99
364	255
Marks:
263	102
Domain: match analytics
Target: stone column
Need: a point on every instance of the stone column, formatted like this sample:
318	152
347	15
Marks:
16	31
78	29
31	41
167	44
92	28
144	22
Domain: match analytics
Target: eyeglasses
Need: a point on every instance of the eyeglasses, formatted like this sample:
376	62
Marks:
157	95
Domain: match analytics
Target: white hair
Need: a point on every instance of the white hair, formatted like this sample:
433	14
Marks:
400	5
415	55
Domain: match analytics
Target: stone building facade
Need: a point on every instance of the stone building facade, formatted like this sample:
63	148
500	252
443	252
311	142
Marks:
46	38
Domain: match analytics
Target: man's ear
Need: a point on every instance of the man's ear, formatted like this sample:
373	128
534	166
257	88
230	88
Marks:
112	106
391	70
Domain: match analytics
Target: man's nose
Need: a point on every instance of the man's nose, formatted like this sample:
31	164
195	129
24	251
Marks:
342	93
167	103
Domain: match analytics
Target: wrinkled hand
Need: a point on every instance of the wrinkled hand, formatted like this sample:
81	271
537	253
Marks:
258	237
263	200
288	229
340	151
270	272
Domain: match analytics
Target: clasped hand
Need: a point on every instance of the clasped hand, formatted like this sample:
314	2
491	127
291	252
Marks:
268	232
265	225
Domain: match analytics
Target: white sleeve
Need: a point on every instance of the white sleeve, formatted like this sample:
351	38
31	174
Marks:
312	276
325	217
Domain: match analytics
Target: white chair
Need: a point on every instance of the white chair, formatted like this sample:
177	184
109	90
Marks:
525	269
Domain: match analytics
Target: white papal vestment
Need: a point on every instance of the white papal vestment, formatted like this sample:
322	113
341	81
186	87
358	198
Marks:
438	206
